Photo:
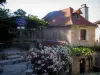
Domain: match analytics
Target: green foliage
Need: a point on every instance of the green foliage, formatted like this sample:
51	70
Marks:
32	21
4	22
35	22
97	73
96	48
8	19
4	13
2	1
82	50
85	50
19	12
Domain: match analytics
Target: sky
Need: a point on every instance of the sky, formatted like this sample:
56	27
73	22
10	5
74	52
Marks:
41	7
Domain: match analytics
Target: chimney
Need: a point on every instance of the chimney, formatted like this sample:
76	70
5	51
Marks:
84	10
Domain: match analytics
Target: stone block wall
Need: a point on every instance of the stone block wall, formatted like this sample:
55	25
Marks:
75	35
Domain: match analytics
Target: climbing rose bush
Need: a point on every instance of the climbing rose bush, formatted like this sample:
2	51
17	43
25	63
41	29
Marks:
50	60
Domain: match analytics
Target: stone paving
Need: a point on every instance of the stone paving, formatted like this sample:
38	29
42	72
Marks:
14	69
15	65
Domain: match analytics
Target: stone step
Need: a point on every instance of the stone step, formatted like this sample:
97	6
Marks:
14	56
13	61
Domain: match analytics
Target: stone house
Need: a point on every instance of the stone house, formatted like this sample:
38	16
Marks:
69	25
73	27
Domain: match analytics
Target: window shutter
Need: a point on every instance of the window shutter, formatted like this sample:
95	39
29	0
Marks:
83	34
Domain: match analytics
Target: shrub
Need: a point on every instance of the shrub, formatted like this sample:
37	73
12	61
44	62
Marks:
98	73
82	50
51	60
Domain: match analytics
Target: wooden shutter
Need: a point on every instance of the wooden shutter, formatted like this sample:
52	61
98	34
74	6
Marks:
83	34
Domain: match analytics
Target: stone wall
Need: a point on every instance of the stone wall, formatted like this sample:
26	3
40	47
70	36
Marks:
76	64
71	34
75	35
58	34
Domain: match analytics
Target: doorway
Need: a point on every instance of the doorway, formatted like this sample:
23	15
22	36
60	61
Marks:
82	65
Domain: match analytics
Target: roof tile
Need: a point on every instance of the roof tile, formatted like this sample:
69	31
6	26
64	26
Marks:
66	17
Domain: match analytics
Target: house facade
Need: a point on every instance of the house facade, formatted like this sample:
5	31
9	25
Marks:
73	27
69	25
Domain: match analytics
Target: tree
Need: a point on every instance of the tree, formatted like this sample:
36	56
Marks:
4	13
20	12
7	21
2	2
5	24
38	24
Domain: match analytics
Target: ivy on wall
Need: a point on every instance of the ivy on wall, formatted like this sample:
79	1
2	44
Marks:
82	50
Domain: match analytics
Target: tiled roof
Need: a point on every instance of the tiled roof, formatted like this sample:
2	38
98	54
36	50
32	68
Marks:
66	17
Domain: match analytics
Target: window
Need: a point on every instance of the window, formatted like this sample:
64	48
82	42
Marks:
54	35
20	27
77	16
83	34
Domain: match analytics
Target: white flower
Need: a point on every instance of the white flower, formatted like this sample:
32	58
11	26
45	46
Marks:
56	54
33	53
45	71
29	57
39	62
42	64
45	74
55	69
42	57
38	68
63	62
42	51
51	66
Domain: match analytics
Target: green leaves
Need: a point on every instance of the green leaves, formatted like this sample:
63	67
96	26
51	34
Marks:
4	13
2	1
19	12
82	50
35	22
